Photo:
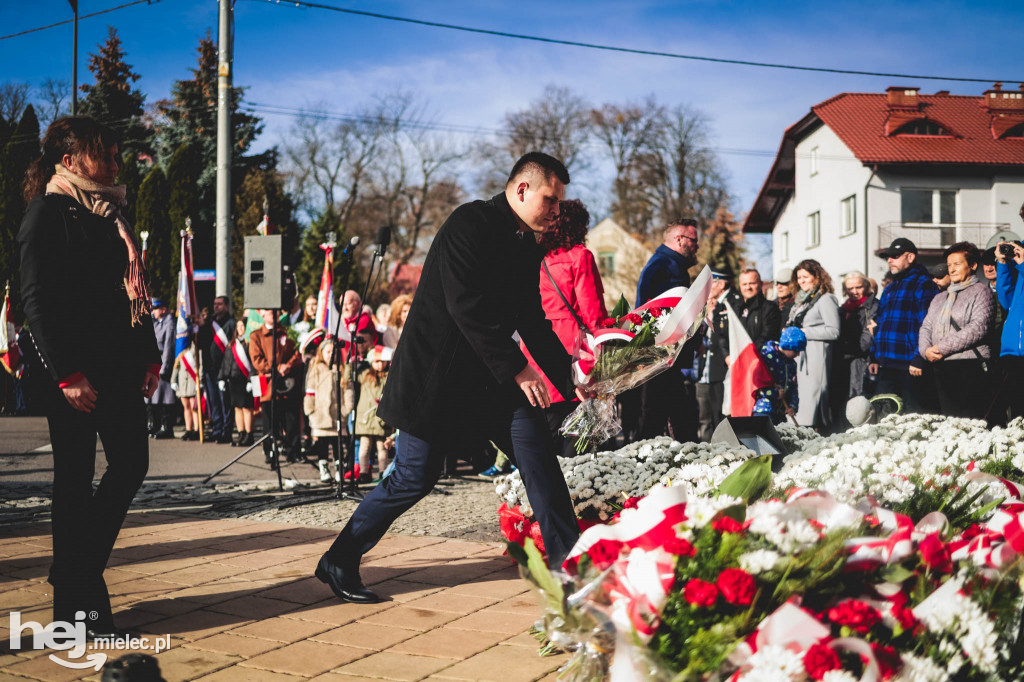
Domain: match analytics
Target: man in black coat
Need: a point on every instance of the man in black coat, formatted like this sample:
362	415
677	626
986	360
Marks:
458	375
761	317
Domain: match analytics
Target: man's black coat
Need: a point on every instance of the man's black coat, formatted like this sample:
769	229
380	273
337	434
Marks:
762	320
457	359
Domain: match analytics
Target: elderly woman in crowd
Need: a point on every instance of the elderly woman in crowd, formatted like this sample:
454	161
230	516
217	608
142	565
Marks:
83	284
953	333
850	364
816	312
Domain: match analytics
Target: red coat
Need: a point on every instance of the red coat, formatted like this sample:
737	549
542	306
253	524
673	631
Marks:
575	272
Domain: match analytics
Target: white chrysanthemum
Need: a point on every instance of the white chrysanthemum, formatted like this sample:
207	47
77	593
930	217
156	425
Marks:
774	663
920	669
838	676
758	561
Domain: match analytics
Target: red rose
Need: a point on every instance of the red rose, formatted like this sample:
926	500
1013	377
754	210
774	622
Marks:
727	524
655	312
935	554
889	661
737	586
700	593
633	318
905	617
604	553
856	615
820	659
608	322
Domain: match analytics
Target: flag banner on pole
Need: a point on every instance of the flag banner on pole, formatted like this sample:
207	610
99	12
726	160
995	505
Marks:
186	298
10	354
747	370
326	312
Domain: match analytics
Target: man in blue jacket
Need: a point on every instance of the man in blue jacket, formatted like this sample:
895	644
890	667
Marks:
1010	290
901	310
668	399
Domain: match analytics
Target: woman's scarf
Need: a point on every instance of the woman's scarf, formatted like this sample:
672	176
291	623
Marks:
852	304
804	301
107	202
944	327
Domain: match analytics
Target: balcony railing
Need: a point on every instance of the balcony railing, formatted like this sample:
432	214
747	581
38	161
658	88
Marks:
938	237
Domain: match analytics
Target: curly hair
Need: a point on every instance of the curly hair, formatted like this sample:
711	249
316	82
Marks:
814	269
570	228
397	303
74	135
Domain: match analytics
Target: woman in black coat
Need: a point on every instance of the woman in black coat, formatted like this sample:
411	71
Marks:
85	299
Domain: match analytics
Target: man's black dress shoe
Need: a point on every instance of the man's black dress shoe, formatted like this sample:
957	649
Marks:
346	585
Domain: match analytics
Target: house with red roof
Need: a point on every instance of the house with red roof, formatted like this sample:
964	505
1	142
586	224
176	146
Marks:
861	169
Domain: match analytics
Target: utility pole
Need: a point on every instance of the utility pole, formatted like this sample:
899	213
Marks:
224	138
74	63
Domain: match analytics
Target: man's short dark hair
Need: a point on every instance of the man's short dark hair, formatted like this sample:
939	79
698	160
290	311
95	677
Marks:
539	162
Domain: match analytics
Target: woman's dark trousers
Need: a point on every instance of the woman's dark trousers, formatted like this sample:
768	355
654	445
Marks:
85	521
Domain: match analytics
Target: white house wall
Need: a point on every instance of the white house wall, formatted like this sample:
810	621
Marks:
839	175
987	200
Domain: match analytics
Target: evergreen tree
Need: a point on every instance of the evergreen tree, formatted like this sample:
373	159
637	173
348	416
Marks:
151	216
311	257
131	175
21	148
190	118
113	100
257	184
183	202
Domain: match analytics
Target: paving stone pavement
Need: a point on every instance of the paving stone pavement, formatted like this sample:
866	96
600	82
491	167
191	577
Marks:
237	601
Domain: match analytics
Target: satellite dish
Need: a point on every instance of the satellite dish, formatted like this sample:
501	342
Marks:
1002	236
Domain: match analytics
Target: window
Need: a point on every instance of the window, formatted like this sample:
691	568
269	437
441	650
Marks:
814	229
928	206
814	161
783	247
848	216
922	126
606	263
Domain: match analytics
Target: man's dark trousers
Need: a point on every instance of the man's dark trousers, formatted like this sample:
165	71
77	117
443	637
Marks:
521	433
900	381
666	399
217	403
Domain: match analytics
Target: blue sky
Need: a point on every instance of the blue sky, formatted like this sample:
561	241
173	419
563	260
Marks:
297	57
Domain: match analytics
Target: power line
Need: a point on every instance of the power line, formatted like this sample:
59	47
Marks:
83	16
628	50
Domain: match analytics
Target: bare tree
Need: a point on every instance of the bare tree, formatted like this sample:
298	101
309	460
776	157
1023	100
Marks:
54	94
629	135
329	164
13	100
681	176
557	123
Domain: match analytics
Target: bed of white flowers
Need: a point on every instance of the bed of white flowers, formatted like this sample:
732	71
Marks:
888	461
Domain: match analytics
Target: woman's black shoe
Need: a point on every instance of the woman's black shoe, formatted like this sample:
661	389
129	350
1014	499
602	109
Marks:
248	440
238	441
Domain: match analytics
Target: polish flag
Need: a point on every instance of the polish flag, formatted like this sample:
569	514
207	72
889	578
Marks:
747	371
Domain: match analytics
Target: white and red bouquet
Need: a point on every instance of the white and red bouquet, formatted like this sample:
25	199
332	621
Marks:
632	347
803	587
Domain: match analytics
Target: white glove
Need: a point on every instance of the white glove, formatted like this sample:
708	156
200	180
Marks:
248	388
174	387
222	385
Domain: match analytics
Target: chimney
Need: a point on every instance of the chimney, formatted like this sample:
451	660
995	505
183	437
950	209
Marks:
942	93
903	98
999	100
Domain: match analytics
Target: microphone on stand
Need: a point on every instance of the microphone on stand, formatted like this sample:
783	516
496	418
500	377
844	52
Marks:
350	247
383	240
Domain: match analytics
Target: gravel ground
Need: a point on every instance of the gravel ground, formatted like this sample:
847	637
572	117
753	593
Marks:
467	511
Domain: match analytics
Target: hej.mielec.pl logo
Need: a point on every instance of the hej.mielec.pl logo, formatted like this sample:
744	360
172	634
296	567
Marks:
71	637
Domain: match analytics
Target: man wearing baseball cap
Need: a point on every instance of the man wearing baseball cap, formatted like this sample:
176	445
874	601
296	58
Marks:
901	310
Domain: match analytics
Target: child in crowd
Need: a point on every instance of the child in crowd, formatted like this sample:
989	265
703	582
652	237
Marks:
321	408
780	399
371	431
184	386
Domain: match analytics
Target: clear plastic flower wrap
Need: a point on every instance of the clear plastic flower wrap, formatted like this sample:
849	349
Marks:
616	359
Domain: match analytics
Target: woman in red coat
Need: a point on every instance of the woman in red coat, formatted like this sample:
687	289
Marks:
573	269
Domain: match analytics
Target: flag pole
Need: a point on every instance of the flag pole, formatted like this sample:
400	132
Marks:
195	337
